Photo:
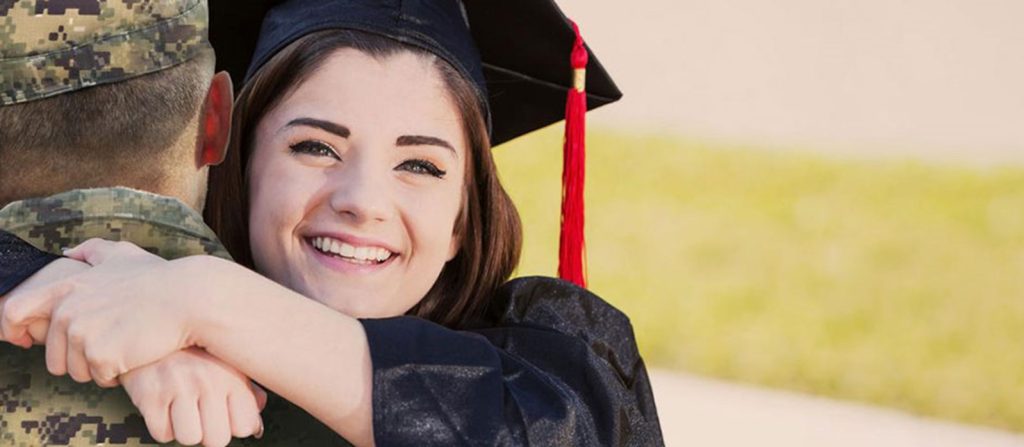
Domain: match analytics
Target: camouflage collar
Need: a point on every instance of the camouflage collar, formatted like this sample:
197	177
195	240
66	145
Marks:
163	225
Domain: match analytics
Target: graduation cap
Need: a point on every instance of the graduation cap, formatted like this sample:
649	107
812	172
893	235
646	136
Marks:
527	60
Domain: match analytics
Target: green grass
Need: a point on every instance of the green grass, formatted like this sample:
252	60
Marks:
894	283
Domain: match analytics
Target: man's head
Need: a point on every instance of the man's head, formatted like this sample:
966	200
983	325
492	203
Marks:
109	93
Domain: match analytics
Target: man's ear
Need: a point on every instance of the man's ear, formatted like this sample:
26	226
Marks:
216	121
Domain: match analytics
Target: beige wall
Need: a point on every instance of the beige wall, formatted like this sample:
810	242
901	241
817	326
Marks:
939	78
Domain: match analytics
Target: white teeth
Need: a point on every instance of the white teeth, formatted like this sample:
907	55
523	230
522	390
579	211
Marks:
328	245
362	253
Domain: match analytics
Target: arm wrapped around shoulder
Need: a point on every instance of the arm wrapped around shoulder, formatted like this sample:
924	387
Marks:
552	364
19	260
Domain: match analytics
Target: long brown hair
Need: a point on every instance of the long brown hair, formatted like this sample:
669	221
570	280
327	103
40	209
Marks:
488	226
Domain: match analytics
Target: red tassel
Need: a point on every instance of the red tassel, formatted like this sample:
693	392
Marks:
571	250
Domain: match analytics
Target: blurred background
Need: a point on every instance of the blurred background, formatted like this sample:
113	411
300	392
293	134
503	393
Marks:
812	211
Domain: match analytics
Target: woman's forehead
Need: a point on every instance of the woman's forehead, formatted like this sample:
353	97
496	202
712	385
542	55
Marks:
351	81
391	96
363	71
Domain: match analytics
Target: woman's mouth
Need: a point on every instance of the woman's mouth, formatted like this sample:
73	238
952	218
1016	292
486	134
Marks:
350	253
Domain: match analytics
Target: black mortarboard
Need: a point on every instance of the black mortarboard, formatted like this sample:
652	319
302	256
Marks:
518	55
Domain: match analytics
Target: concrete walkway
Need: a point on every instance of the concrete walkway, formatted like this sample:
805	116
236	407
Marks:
702	412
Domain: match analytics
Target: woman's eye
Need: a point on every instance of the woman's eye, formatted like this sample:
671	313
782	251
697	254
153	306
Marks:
314	148
422	167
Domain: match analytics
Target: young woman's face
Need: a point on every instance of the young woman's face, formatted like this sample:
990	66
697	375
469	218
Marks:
356	182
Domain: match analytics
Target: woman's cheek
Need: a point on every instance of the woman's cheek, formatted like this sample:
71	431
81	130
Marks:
260	240
440	225
435	214
267	223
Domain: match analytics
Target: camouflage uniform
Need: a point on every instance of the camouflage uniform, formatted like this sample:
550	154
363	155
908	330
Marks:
52	47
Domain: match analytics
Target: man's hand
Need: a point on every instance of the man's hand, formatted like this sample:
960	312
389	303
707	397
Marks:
192	397
55	271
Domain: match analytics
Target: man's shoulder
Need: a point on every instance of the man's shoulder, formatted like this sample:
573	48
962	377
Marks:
106	201
163	225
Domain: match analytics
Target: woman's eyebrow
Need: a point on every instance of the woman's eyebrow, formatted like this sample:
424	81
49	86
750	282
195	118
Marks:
328	126
420	140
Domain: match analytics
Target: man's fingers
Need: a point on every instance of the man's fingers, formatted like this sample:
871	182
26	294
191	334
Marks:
158	421
160	427
260	393
38	329
97	251
213	410
92	251
103	382
154	408
245	416
23	341
57	348
23	308
78	365
185	421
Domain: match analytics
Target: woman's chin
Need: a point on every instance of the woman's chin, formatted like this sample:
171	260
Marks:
358	308
354	300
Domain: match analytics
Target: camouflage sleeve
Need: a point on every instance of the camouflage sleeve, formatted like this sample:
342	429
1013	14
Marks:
18	261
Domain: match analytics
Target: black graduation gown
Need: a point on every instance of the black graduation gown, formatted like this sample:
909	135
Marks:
18	261
551	364
555	365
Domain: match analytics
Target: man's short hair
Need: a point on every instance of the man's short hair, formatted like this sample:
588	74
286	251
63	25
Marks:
119	134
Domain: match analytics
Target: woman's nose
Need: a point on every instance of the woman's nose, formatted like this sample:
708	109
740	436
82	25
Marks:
361	194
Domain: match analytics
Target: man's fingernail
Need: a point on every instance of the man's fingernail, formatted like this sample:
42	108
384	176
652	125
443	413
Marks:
259	431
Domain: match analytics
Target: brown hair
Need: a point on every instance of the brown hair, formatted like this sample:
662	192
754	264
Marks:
488	226
119	134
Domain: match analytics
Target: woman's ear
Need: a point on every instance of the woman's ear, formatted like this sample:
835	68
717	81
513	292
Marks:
216	121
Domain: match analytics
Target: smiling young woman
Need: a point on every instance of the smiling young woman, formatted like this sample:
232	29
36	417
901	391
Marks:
487	230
